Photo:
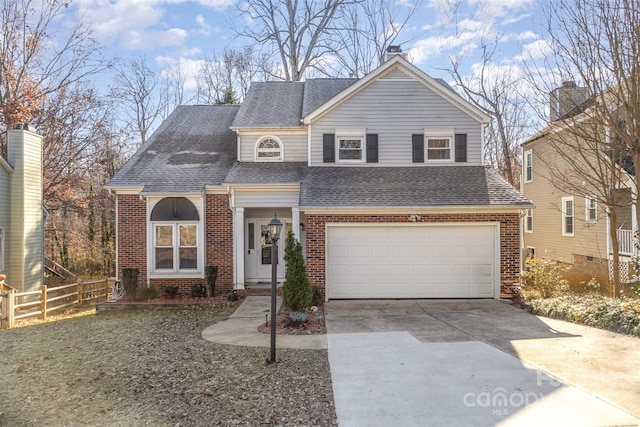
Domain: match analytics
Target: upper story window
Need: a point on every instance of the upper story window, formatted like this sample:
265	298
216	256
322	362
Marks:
350	145
269	149
176	245
528	225
567	216
438	145
591	204
1	249
528	166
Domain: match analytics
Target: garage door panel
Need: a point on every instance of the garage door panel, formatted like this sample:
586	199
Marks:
421	261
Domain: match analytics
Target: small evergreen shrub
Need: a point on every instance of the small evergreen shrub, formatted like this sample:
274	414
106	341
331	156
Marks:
198	290
543	278
318	295
297	294
170	291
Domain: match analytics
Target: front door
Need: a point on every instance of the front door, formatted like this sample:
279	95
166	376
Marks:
258	250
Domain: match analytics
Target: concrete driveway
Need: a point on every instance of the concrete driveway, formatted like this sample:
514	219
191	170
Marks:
476	363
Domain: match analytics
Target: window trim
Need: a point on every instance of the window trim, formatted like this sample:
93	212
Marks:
528	216
343	134
565	216
257	149
176	272
2	240
528	166
439	134
588	208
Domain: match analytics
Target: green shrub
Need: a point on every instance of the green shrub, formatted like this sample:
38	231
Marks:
296	290
170	291
542	278
614	314
198	290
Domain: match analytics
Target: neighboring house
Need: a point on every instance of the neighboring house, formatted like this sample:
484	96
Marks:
381	179
568	225
21	211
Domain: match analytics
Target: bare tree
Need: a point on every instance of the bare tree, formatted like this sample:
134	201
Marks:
140	91
295	31
362	34
36	59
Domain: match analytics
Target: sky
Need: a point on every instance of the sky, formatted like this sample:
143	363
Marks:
167	32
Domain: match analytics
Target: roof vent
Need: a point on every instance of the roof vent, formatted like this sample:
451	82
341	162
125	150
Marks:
394	50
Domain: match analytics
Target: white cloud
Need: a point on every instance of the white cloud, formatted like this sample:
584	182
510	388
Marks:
526	35
205	29
501	8
145	40
433	46
536	50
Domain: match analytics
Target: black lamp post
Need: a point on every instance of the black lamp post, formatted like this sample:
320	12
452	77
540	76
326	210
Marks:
275	225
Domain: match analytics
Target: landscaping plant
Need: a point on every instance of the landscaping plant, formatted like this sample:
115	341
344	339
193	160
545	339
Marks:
297	293
542	278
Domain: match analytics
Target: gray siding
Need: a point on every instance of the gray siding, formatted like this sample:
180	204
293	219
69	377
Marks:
266	198
395	110
295	145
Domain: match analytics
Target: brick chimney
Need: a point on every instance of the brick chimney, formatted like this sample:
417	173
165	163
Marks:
565	100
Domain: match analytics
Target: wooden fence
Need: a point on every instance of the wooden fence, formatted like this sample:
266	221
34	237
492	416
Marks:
21	305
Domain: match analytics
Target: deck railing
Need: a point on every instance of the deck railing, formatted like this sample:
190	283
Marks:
625	242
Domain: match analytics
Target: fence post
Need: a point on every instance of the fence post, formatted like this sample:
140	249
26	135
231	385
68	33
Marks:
43	302
80	289
12	308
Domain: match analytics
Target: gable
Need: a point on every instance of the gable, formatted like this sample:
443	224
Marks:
398	69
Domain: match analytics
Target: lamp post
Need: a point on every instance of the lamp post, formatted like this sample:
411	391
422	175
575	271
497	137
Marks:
275	225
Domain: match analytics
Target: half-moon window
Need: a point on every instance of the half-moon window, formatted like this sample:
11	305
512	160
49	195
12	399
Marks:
175	209
269	149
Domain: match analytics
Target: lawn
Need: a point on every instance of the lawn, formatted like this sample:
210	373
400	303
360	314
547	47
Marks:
152	368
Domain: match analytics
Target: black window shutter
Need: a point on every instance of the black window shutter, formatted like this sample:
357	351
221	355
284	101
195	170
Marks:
417	147
329	148
461	147
372	148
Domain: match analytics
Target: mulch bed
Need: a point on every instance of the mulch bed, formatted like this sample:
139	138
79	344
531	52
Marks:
314	325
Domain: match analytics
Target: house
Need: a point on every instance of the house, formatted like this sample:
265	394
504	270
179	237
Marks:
21	212
568	224
381	179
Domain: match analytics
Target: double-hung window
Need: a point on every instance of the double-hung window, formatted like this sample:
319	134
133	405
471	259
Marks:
439	145
591	204
528	225
1	249
567	216
350	145
528	166
175	226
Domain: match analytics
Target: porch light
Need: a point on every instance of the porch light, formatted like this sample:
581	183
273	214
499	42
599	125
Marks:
275	225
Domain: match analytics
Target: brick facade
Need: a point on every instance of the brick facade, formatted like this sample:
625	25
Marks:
132	244
509	239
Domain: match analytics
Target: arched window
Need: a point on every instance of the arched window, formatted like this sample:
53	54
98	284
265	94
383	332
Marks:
269	149
175	222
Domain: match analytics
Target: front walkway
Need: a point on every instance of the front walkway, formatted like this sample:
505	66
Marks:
241	328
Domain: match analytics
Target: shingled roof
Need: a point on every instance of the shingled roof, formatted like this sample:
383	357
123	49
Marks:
384	186
193	147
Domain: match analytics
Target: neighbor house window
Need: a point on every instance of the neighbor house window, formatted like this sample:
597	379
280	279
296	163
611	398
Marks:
528	166
528	225
175	225
591	204
350	145
269	149
1	249
567	216
438	145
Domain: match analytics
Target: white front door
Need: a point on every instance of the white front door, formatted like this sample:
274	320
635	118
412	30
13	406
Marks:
258	250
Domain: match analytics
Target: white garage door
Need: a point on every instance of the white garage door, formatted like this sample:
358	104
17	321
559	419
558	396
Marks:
411	261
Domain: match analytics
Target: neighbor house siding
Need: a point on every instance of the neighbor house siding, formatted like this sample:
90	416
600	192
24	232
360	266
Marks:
4	215
295	145
589	238
509	239
394	110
